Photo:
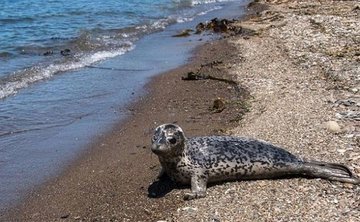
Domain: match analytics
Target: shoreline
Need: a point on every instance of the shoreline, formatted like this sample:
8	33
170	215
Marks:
112	179
74	108
47	125
300	76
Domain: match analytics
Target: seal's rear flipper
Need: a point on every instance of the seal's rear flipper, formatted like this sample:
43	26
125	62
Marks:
330	171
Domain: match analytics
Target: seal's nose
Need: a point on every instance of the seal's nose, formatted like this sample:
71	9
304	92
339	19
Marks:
157	144
154	146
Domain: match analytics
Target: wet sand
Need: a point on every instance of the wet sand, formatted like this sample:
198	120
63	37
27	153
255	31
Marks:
111	181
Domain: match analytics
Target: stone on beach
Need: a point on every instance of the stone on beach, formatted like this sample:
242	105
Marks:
332	126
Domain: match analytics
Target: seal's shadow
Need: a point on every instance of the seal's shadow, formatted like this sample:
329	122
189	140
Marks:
162	187
165	185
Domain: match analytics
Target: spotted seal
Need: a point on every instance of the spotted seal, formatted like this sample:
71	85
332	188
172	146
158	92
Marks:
201	160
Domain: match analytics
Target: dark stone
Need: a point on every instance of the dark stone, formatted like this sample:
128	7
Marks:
65	52
48	53
64	216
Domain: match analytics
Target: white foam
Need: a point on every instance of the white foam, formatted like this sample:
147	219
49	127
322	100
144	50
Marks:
210	10
182	20
199	2
161	23
23	78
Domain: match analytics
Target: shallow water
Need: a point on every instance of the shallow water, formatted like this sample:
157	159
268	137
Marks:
41	38
53	106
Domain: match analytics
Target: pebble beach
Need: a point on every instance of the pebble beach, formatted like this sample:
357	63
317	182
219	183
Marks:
302	70
296	65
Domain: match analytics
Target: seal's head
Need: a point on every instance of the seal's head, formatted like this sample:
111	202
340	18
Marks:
168	139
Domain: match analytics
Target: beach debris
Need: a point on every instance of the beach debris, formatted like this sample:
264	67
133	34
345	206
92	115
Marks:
194	76
184	33
332	126
345	102
215	25
199	76
352	115
200	28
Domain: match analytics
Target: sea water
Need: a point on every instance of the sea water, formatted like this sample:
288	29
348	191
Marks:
68	69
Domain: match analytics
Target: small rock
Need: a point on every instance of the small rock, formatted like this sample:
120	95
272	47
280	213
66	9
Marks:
148	212
214	219
219	105
335	201
48	53
349	136
341	151
188	209
354	90
230	191
333	127
65	52
348	185
64	216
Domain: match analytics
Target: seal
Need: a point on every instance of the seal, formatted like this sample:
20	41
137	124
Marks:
202	160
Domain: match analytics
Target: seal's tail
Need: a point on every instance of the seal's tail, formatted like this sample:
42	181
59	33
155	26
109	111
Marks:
330	171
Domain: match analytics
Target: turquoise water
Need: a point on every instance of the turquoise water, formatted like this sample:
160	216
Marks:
53	104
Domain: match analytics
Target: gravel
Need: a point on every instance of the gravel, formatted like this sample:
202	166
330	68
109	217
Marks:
303	60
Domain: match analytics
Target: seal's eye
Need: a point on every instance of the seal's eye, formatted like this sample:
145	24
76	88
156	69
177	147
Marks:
172	140
153	139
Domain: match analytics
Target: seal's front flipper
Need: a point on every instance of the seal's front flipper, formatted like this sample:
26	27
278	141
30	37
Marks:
330	171
161	173
198	187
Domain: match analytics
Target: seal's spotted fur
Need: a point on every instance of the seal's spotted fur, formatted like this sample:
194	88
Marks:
200	160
